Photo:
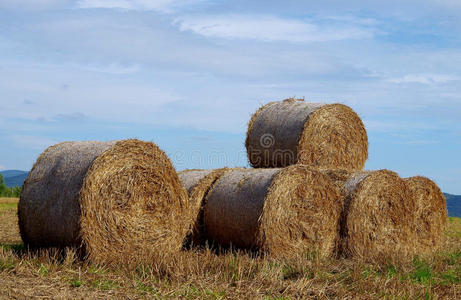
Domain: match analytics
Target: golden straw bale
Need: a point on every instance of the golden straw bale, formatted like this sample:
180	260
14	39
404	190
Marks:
293	131
121	201
431	214
284	212
197	184
378	213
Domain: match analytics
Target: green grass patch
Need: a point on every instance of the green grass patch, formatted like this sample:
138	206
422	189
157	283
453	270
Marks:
391	271
146	288
291	272
454	220
451	277
233	265
456	234
7	264
8	205
453	258
428	295
76	283
106	284
192	292
97	270
15	247
43	270
367	272
422	273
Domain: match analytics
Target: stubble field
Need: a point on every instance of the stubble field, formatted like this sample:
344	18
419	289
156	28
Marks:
201	274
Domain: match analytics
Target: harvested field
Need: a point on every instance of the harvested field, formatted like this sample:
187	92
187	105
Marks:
9	220
200	274
13	201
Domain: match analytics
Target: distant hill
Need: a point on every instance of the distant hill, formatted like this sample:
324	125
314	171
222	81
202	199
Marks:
453	205
12	173
14	177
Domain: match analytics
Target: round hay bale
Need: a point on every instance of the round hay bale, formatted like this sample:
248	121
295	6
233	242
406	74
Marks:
284	212
431	214
190	178
293	131
377	219
118	201
197	184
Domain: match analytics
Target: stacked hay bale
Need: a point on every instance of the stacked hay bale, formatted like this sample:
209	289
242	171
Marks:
121	202
382	215
377	219
197	184
430	214
284	212
322	200
293	131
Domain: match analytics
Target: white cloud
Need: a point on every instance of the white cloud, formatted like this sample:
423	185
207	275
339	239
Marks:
63	94
113	68
270	28
448	3
157	5
105	4
425	78
33	4
76	116
2	168
96	42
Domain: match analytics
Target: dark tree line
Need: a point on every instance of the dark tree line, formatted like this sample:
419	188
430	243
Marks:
8	192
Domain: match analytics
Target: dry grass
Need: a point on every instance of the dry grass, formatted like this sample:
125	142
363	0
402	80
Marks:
9	230
4	200
203	275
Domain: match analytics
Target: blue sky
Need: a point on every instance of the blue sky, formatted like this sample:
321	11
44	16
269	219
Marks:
188	75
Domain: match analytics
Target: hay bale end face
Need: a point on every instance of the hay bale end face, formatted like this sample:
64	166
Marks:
377	220
293	131
284	212
431	214
197	184
121	201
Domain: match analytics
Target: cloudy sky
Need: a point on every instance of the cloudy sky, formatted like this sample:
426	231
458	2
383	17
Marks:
188	75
